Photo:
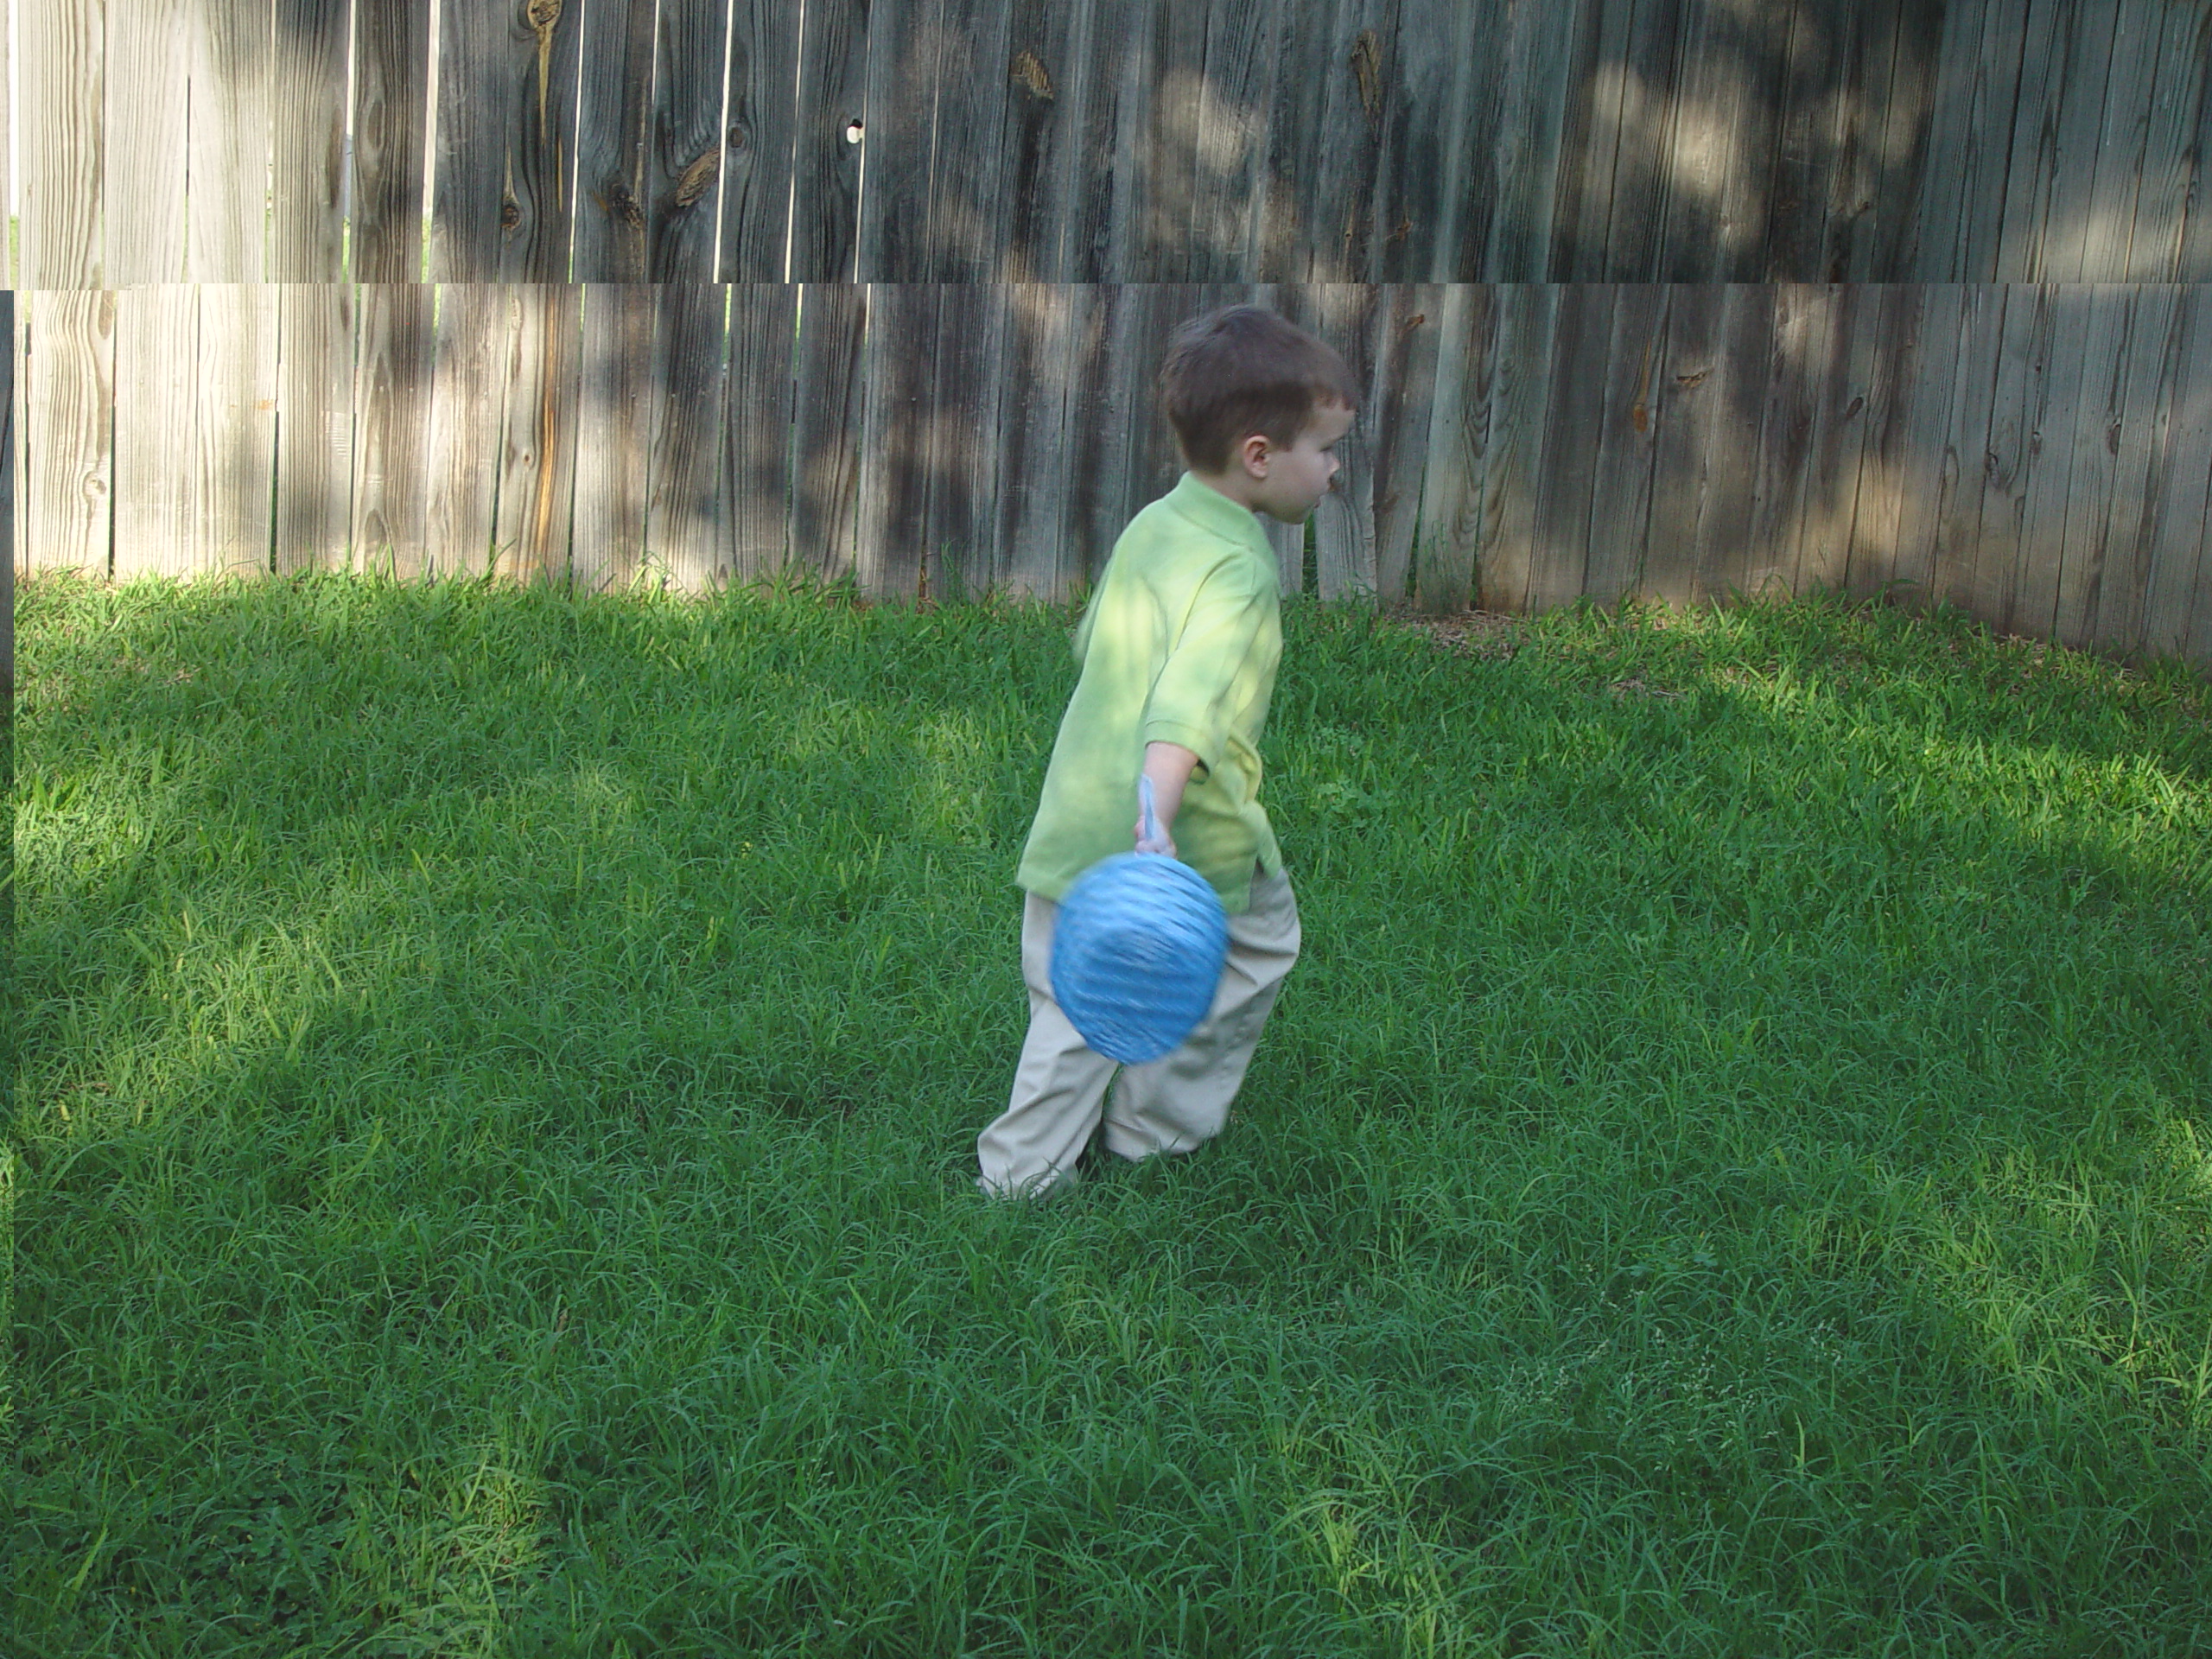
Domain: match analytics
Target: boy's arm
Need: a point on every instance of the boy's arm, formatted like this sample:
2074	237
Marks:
1169	766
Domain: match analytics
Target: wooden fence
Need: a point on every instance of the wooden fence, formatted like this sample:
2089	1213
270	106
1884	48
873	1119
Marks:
2039	455
982	141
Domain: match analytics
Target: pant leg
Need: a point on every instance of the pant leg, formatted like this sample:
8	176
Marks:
1181	1099
1059	1083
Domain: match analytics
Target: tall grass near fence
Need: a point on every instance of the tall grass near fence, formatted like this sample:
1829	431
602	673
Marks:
1729	1174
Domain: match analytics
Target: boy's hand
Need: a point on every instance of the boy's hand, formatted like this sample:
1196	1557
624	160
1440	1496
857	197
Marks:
1165	844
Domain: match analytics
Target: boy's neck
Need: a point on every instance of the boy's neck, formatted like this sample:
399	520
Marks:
1236	485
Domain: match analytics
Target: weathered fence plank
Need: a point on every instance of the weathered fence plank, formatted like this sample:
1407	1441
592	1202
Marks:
899	382
234	451
1445	575
1565	455
68	436
1228	157
1689	426
614	434
2178	524
828	149
2112	596
63	80
686	146
767	144
1842	381
307	143
1968	362
1878	506
1032	533
2170	165
1969	144
2094	433
391	414
1346	315
964	476
315	426
2048	32
1105	383
156	357
1046	73
1421	194
963	234
1537	53
2108	200
1620	489
827	401
506	136
1738	378
1527	318
148	87
468	388
1408	318
226	169
2077	220
392	55
766	326
2023	345
1638	99
690	506
537	467
905	54
1797	351
614	108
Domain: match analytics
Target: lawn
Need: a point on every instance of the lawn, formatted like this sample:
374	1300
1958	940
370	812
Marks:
498	1071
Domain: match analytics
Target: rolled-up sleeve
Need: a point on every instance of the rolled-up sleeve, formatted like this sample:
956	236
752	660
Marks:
1204	683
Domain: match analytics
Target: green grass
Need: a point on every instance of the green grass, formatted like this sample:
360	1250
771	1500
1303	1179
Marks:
494	1122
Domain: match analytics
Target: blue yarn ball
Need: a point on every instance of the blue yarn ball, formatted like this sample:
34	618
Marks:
1137	953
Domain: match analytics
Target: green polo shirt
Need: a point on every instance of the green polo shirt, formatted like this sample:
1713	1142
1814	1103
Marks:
1178	644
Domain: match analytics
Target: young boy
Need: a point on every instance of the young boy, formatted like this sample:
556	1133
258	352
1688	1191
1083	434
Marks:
1178	651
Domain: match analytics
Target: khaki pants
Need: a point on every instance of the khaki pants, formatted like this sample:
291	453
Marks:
1170	1104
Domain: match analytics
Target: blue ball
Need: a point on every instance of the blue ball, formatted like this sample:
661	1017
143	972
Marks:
1137	952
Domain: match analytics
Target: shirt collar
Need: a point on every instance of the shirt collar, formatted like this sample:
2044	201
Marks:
1211	510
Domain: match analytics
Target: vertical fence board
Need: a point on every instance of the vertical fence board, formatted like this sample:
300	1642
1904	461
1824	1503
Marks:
1640	97
1409	315
613	434
391	404
1598	87
1228	158
1620	489
2048	35
686	149
1835	443
2025	342
68	386
2052	406
1527	314
2092	429
2170	165
1110	118
691	499
8	242
1689	425
614	107
959	550
1565	455
1715	213
1537	54
467	412
506	136
2126	112
391	55
769	129
1969	364
1167	170
537	467
1826	51
2195	263
1918	455
1798	353
63	78
1350	317
827	156
965	233
235	431
1444	557
1033	506
2117	621
1878	505
2078	224
142	170
1046	75
1421	196
828	403
156	356
1900	184
1291	163
897	381
2180	548
903	55
781	336
226	170
315	426
1105	384
1969	144
306	142
1362	43
1730	463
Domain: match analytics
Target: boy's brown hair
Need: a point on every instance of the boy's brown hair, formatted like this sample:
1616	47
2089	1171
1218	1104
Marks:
1243	370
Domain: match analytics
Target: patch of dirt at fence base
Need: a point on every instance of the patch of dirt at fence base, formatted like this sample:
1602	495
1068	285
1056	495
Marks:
1488	634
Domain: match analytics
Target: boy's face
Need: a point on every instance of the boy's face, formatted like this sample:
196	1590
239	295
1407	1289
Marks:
1288	484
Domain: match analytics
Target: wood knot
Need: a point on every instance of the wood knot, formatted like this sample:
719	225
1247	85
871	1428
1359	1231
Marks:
1029	70
699	177
510	211
1367	70
619	203
543	15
